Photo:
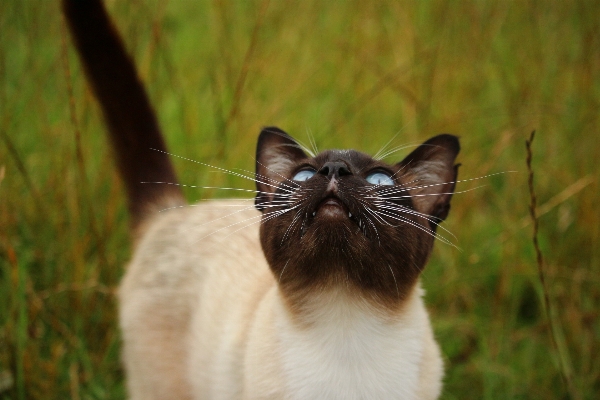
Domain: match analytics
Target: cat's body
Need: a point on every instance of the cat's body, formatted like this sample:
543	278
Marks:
202	317
321	299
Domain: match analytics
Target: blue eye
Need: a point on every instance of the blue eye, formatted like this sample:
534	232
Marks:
380	178
304	175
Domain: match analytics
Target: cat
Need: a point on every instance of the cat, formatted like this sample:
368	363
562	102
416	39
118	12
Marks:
321	301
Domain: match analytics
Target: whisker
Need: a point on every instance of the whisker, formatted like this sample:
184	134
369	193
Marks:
460	181
393	150
266	178
421	227
253	173
282	271
378	156
246	208
218	188
312	141
291	188
214	205
424	194
254	179
296	217
260	217
416	225
395	281
406	210
373	224
298	145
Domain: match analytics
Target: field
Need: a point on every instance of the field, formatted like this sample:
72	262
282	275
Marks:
350	74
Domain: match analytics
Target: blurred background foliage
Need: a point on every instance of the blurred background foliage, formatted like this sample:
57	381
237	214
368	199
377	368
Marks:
353	74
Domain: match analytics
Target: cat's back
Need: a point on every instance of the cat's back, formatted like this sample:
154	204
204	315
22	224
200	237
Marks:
191	263
185	243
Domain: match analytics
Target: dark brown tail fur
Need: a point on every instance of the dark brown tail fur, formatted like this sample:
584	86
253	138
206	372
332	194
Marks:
132	124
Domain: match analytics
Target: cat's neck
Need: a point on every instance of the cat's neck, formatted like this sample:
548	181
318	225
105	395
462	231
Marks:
347	309
353	346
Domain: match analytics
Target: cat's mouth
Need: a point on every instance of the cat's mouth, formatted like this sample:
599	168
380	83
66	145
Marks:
334	209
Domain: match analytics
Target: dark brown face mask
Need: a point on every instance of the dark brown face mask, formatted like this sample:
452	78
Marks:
344	219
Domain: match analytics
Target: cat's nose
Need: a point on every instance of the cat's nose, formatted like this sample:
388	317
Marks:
334	169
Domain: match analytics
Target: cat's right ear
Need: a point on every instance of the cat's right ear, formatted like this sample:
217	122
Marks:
277	153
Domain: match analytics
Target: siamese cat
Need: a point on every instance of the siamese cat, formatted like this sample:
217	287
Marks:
320	300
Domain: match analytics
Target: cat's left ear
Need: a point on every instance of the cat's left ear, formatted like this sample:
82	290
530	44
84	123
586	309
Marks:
277	153
430	175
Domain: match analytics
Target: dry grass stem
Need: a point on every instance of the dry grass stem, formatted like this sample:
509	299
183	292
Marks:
564	368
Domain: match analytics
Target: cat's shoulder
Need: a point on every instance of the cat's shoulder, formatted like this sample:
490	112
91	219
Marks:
181	244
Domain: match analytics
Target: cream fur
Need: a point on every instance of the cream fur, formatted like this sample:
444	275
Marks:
202	318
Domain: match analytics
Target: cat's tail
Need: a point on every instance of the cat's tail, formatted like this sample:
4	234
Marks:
133	129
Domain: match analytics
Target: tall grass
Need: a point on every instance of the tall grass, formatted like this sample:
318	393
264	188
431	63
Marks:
354	74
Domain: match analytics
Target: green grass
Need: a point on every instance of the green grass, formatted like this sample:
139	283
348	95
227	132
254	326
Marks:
354	74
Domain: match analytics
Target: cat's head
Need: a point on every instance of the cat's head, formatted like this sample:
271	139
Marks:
343	219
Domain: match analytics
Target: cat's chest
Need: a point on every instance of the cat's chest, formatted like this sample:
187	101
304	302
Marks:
352	354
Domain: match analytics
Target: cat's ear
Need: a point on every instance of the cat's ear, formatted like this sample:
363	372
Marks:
430	175
277	153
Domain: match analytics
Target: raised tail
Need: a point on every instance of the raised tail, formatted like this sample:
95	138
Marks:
131	121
